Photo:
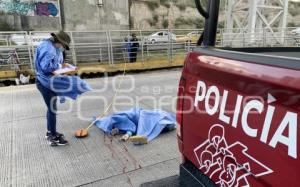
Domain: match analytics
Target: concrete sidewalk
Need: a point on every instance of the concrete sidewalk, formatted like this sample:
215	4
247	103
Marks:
27	160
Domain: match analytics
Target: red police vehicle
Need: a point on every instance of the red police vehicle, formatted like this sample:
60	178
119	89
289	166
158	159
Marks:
238	113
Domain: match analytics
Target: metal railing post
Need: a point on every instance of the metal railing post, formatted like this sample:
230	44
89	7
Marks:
108	47
73	49
222	37
30	57
172	48
147	48
285	37
189	43
100	54
111	48
142	42
264	38
244	38
169	52
31	46
169	46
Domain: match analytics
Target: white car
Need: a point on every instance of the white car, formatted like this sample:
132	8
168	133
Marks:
34	39
160	37
18	39
296	31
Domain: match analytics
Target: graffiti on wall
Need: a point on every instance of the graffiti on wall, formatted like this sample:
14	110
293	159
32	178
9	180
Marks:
23	8
46	9
30	8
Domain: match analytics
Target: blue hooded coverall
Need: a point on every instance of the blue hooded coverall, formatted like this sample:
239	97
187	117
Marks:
48	58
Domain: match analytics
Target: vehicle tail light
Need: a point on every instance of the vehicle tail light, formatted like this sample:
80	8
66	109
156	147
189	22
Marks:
179	108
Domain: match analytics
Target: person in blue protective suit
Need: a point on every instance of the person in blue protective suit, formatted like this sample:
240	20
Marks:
48	59
127	49
134	47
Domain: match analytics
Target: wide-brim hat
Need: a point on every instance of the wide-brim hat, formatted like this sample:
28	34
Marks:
62	38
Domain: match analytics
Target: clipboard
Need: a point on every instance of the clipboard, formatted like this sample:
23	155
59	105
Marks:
67	70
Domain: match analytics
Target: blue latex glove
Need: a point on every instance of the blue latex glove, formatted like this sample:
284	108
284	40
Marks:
62	100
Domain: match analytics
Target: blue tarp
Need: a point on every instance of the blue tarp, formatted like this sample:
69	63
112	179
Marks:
147	123
67	86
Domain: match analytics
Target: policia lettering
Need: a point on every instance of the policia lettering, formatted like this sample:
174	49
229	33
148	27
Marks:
289	121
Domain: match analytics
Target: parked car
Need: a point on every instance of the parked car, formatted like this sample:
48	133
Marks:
191	37
296	36
34	39
161	37
18	39
37	38
296	31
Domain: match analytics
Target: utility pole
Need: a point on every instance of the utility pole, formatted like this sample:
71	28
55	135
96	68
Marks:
171	15
129	14
61	14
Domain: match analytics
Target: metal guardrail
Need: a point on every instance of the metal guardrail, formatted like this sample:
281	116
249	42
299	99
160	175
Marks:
266	37
15	53
17	49
15	58
103	47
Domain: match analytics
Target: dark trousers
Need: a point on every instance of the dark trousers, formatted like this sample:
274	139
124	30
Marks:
133	55
50	99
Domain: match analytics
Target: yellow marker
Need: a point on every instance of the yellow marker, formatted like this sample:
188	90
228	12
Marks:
138	139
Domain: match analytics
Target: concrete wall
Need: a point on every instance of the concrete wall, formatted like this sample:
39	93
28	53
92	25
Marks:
22	15
20	22
11	20
39	23
142	15
87	15
76	15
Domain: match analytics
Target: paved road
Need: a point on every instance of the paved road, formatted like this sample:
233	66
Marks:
27	160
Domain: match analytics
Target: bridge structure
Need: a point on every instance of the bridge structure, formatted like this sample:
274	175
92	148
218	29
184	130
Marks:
256	20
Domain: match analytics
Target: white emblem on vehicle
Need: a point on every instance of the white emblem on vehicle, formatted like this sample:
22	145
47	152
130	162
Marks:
227	165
